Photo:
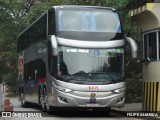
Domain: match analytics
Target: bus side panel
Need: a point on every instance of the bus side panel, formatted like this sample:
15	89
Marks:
34	70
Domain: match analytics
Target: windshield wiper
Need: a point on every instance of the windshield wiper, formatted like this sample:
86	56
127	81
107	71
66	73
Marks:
80	73
78	82
66	78
103	73
112	78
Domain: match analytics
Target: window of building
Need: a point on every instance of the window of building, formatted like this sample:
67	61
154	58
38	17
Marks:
150	45
145	46
159	43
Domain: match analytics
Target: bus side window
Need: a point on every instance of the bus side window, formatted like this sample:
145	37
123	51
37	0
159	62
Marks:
22	42
30	68
40	68
51	22
42	28
53	65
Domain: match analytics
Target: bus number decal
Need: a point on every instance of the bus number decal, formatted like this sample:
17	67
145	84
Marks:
92	87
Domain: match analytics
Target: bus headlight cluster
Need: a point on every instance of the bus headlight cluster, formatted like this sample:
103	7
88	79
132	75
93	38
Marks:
119	90
63	89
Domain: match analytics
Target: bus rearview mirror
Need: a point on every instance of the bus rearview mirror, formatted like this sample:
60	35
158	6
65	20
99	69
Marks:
134	47
54	45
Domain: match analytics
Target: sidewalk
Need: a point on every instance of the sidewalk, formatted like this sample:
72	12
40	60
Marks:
137	107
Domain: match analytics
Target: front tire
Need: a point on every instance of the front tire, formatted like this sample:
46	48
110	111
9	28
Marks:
44	100
22	98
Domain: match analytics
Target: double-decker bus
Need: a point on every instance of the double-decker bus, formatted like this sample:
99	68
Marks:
73	56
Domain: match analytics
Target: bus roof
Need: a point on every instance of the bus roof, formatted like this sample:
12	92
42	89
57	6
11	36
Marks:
81	6
32	23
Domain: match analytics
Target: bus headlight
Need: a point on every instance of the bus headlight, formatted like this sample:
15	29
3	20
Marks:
119	90
63	89
66	90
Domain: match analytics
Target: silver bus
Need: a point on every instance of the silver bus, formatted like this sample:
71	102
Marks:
73	56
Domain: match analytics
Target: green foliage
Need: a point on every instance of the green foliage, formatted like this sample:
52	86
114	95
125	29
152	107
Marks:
8	34
134	88
35	11
60	2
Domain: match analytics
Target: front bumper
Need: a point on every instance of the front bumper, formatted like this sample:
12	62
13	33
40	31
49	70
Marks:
82	99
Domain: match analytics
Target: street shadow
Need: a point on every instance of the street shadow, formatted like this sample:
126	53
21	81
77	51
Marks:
80	113
87	113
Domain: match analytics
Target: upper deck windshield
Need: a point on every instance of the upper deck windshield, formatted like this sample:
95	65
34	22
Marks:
90	66
88	24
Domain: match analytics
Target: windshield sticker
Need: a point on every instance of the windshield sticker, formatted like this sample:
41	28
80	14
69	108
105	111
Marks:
111	54
96	52
83	50
119	50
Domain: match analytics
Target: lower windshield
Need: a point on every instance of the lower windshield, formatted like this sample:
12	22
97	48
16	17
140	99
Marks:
88	66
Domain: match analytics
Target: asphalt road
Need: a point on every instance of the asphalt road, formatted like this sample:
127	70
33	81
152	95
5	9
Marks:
69	115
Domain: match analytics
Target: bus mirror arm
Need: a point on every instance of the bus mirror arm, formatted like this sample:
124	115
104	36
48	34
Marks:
134	47
54	45
144	60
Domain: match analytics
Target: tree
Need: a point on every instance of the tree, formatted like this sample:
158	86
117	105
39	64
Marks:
8	30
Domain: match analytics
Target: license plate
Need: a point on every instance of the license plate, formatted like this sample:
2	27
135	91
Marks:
92	105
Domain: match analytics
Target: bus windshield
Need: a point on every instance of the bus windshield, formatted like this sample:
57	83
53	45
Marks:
89	21
90	65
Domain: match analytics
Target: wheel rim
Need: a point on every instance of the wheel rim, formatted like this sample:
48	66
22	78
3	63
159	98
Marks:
22	99
41	99
46	100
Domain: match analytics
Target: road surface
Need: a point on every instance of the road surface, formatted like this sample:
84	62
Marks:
70	115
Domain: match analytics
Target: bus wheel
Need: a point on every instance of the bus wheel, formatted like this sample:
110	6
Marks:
47	107
42	99
23	102
19	93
